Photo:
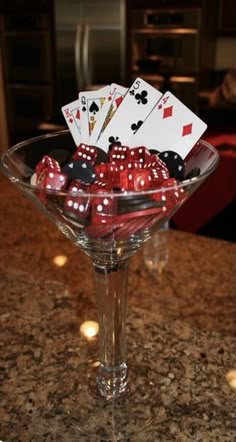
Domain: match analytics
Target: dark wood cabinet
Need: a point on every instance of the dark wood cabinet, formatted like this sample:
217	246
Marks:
227	17
135	4
27	48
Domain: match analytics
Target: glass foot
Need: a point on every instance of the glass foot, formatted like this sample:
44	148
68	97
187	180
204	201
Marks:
95	418
113	382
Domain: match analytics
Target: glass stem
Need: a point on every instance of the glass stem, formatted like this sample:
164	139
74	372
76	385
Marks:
111	290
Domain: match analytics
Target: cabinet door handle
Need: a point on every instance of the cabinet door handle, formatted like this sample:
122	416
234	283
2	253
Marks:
87	67
78	57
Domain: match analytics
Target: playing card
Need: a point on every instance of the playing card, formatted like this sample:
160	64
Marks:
113	100
133	110
170	126
90	104
71	113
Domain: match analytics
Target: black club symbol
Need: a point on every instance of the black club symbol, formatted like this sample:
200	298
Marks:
141	98
136	126
114	140
132	92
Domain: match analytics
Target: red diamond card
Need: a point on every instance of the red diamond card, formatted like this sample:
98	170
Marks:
170	125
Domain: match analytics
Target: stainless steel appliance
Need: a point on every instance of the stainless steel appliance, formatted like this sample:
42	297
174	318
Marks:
90	45
51	50
166	41
164	47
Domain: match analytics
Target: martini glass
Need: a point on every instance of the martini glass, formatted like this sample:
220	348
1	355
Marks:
124	222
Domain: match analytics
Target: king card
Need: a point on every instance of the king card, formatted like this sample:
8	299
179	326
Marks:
71	113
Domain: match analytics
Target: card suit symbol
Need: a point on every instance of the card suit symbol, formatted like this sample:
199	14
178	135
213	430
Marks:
131	92
94	108
136	126
187	129
118	101
114	140
71	120
167	112
159	106
141	98
67	113
109	98
71	165
83	108
77	115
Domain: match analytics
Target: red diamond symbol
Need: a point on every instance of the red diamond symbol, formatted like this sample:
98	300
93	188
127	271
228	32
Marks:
187	130
77	114
167	112
159	106
118	101
71	120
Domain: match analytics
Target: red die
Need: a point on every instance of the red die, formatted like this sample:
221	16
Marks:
133	164
158	176
126	166
103	206
170	197
109	173
85	152
176	194
78	203
135	179
100	187
153	162
104	172
118	154
52	179
140	153
47	163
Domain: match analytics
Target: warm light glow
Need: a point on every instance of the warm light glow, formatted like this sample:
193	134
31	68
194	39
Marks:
89	329
60	260
231	378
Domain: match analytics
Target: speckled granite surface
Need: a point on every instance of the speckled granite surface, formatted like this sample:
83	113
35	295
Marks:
182	347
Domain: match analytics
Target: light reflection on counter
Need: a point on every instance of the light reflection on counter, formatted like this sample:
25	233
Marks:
89	329
231	378
60	260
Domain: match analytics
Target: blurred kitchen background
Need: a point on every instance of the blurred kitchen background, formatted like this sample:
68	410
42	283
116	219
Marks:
52	49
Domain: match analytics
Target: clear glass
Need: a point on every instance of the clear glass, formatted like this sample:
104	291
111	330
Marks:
109	239
111	290
156	250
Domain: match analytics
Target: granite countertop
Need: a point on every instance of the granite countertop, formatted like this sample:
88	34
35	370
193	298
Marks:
180	333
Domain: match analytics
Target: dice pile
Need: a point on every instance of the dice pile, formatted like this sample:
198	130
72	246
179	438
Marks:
92	178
